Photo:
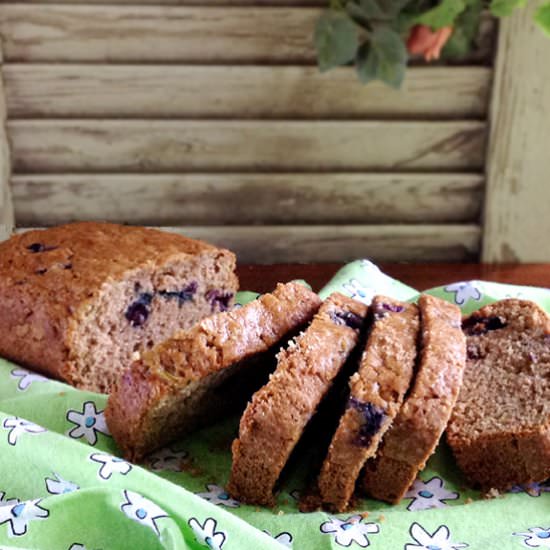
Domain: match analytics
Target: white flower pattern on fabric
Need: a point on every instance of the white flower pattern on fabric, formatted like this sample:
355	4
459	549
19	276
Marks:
350	530
60	486
167	459
142	510
532	489
218	495
535	537
88	423
8	501
18	426
354	289
429	494
464	292
440	539
110	465
284	538
26	378
19	514
206	533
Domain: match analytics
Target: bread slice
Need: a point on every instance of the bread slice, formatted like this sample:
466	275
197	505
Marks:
377	390
418	426
500	428
78	300
176	387
279	412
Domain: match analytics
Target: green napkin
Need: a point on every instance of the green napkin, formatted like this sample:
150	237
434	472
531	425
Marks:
62	485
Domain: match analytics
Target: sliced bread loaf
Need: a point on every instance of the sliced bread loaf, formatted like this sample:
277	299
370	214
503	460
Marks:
77	301
377	390
279	412
172	389
500	428
418	426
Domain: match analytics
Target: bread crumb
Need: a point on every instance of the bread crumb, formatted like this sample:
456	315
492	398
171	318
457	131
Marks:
382	518
62	393
136	356
469	500
280	513
364	515
492	493
256	509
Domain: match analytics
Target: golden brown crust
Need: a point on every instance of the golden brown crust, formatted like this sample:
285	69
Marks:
376	394
418	426
279	412
143	410
500	428
48	277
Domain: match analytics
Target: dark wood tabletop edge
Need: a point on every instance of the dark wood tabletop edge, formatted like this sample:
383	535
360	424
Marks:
263	278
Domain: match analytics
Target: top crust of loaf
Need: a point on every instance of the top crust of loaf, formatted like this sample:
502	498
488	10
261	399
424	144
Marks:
48	277
418	426
96	252
279	412
213	345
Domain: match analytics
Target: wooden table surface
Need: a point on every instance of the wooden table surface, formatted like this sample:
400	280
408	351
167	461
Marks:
263	278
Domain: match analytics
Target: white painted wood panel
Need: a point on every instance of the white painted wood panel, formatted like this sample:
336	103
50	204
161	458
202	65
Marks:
238	199
517	220
164	146
157	33
159	91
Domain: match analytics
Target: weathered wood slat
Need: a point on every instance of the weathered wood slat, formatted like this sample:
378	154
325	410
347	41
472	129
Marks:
517	223
342	243
198	33
157	33
35	90
163	146
195	199
6	205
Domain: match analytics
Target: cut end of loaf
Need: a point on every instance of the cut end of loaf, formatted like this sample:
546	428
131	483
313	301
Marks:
500	428
183	382
149	305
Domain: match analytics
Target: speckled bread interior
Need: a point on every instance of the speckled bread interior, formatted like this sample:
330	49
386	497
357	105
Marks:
77	302
500	428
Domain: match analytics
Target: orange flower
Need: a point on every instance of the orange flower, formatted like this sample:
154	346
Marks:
424	41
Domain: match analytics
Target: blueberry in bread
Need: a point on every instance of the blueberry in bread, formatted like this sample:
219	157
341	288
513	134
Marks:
419	424
376	393
179	385
280	411
77	301
500	428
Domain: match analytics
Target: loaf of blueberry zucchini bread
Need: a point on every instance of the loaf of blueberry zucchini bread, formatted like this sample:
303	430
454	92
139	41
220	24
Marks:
78	301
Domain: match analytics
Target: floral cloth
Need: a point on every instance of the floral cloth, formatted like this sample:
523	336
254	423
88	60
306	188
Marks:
63	485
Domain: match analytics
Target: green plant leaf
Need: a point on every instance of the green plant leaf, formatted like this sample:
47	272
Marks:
442	15
336	40
383	57
502	8
465	32
542	17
